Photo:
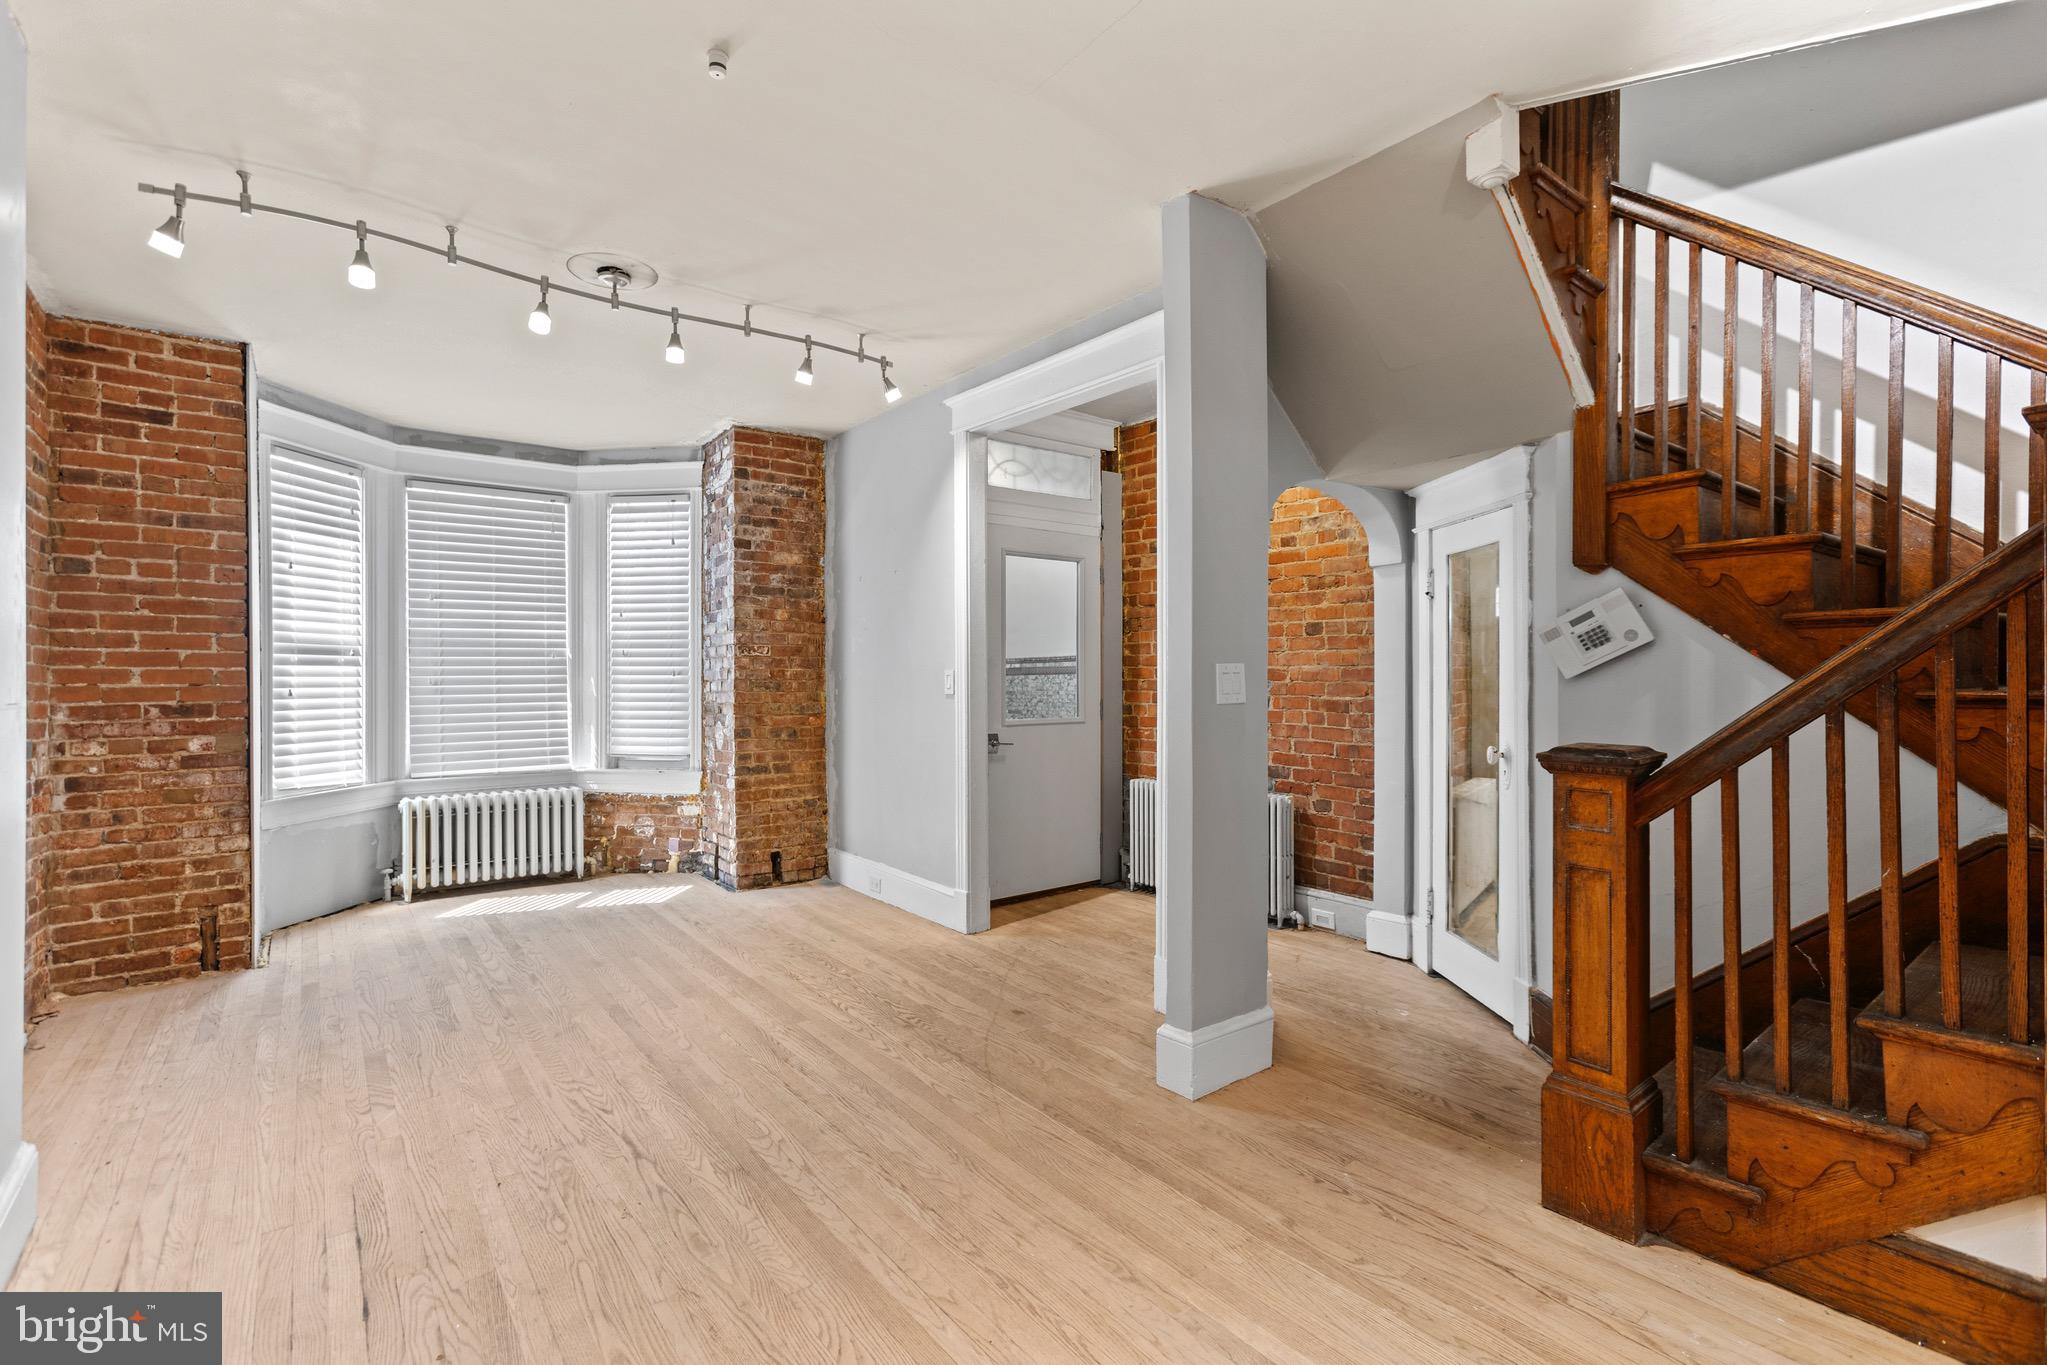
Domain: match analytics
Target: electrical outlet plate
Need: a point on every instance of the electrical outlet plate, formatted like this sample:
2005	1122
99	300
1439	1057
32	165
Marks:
1322	919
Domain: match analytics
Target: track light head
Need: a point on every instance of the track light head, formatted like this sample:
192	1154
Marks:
540	322
361	273
245	205
804	373
890	391
170	238
454	257
674	354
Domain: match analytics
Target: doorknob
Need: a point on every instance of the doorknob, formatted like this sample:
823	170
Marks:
996	741
1497	756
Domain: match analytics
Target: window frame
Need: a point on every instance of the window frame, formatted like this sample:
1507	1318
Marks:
265	549
605	757
386	466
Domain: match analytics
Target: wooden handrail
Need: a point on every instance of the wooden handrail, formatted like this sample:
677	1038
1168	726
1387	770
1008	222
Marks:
2015	567
1964	322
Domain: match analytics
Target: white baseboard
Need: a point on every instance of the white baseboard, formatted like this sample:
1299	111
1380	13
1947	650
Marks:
1390	933
905	890
17	1207
1209	1058
1384	931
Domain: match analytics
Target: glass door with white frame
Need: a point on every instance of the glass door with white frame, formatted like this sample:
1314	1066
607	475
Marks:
1479	923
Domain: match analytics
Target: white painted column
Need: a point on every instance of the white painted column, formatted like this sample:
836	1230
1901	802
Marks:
17	1157
1214	528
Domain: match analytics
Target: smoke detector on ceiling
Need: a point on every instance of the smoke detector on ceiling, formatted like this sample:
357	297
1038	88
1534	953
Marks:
717	57
608	270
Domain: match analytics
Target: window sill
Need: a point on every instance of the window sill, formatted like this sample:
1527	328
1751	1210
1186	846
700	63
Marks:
281	812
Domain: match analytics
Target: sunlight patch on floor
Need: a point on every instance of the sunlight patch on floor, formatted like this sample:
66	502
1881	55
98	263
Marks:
529	902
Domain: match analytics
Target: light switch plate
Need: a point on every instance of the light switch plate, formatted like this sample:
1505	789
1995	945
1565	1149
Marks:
1229	684
948	682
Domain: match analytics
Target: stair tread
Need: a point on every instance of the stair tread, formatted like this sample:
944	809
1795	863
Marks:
1983	983
1790	540
1811	1062
1709	1114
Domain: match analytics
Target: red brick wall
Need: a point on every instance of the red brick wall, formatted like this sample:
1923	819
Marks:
138	639
1137	459
764	806
631	832
1319	654
1320	661
36	986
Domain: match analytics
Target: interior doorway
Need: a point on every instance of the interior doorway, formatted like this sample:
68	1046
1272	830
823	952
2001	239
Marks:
1046	663
1475	809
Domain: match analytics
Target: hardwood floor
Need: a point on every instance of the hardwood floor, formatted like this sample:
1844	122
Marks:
641	1119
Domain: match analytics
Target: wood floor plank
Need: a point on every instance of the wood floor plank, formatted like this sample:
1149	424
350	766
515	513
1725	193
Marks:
642	1119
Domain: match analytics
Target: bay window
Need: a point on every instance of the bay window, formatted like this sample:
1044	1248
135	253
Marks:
317	702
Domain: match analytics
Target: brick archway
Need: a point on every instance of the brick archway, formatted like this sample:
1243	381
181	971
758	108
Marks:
1321	697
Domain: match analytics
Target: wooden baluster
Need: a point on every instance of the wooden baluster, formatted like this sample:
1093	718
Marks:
1780	909
2018	743
1993	449
2036	455
1618	418
1844	497
1946	833
1662	353
1681	870
1894	473
1768	421
1805	485
1837	907
1600	1103
1627	348
1693	360
1729	395
1943	464
1730	919
1889	841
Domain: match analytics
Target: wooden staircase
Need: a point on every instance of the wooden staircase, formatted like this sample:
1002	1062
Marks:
1872	1063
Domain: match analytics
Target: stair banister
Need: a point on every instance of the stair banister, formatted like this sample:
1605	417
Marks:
2013	567
1600	1103
1935	312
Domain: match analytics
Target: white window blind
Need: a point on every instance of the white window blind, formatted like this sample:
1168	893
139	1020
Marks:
487	629
316	624
650	611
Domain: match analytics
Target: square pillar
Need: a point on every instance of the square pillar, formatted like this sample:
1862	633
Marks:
1214	515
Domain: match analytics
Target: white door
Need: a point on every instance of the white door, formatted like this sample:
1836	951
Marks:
1479	926
1045	747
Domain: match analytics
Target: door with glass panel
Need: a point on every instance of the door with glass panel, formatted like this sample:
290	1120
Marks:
1044	671
1478	778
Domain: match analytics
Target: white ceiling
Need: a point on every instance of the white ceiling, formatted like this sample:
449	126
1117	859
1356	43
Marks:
957	177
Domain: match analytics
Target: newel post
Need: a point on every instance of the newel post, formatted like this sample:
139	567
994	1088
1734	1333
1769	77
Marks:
1600	1107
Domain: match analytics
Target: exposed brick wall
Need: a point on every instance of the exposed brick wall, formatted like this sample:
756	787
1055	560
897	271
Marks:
36	985
1320	664
1319	651
1137	460
632	832
138	637
764	807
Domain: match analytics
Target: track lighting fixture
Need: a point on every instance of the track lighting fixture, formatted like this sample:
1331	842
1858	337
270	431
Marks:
170	240
361	273
540	322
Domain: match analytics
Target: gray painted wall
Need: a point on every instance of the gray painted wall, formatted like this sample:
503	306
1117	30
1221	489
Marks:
17	1159
889	572
1672	694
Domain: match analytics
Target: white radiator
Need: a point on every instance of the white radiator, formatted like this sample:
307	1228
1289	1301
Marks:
489	837
1279	844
